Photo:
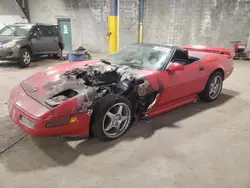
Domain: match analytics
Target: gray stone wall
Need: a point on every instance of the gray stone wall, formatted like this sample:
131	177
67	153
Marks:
9	14
7	8
201	22
89	20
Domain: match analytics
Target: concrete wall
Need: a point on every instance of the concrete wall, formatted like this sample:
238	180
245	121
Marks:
47	11
89	20
7	8
203	22
9	14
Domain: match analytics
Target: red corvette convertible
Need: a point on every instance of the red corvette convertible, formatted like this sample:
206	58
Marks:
104	97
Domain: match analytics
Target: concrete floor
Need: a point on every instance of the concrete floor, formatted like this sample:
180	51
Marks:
200	146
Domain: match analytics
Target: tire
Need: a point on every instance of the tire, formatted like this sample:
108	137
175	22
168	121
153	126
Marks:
247	56
106	122
207	95
59	54
25	57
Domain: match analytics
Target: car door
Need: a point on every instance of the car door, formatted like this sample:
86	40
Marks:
51	39
38	41
181	85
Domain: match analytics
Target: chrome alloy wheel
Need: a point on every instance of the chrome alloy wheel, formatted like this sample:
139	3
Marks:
116	120
215	87
59	54
26	57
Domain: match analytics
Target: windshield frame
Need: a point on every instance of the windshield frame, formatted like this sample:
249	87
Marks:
166	60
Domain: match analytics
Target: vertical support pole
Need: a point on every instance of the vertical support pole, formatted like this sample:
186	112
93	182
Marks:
113	25
141	4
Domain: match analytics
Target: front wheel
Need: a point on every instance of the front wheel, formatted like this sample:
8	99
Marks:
111	117
25	57
213	87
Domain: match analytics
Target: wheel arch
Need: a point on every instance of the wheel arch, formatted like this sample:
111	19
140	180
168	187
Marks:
28	48
218	70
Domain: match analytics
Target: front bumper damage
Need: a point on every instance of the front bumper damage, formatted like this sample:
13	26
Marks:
34	118
92	83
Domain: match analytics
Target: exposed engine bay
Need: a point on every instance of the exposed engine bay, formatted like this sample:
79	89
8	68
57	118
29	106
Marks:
90	84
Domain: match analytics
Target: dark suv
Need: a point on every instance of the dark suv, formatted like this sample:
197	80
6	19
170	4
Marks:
23	41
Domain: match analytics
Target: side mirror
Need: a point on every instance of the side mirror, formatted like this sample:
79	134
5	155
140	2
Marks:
34	36
175	67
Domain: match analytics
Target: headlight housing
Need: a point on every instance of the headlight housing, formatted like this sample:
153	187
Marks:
56	100
9	44
27	122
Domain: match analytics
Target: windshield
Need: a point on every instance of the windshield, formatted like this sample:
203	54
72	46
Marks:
140	56
15	30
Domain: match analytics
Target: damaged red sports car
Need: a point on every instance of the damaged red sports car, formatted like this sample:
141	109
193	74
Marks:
104	97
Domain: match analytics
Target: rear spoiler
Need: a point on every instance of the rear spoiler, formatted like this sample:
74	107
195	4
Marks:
222	51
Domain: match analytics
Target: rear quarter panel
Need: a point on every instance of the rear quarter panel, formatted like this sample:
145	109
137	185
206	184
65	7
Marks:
221	62
211	62
228	66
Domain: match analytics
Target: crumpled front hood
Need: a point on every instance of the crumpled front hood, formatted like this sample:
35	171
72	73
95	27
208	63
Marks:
59	69
54	72
80	83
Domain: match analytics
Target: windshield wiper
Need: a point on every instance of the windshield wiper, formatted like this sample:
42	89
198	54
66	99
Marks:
10	29
105	61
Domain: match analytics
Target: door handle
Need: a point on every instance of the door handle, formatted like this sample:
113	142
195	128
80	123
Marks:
201	68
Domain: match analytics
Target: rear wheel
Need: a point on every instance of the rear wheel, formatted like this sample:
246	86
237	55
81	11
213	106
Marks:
59	54
25	57
213	87
111	118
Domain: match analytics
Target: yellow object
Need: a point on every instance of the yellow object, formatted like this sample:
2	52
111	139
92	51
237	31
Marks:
140	34
114	33
73	119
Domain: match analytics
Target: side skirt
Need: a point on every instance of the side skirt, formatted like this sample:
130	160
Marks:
171	106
